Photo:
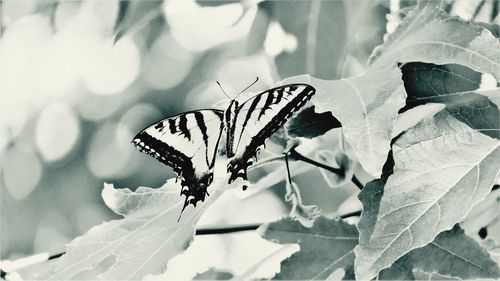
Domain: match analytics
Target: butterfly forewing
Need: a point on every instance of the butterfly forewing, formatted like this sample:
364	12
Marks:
188	143
258	118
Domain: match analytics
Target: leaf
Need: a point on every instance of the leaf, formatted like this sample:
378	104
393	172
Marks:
455	254
326	246
483	217
491	26
452	252
422	275
458	88
142	242
319	27
214	274
366	106
309	124
134	15
442	169
428	35
370	197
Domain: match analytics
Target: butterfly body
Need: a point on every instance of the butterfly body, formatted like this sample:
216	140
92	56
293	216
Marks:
189	142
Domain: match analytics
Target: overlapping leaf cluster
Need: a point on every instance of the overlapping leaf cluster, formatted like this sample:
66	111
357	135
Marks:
428	176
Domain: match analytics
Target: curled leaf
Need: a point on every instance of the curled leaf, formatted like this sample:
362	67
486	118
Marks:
305	214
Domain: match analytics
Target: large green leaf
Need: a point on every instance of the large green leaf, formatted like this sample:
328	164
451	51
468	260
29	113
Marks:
427	34
139	244
455	254
325	247
366	106
442	169
457	87
451	253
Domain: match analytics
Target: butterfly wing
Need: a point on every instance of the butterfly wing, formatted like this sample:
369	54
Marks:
258	118
188	143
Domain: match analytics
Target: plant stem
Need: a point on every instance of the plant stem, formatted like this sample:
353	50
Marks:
355	180
295	155
224	230
351	214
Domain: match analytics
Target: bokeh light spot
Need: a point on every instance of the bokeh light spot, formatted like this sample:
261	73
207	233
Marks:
22	171
89	215
277	40
238	73
139	116
167	64
226	23
57	131
488	82
97	107
53	232
110	151
113	67
274	43
207	94
14	9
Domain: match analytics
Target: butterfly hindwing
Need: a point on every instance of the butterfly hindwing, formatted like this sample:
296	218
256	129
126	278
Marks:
258	118
188	143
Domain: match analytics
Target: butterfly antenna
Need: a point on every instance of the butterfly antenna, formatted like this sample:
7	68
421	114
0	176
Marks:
253	83
220	86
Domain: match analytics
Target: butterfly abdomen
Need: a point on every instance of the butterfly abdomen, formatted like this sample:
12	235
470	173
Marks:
230	119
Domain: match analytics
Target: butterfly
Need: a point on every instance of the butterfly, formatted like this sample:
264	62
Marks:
189	142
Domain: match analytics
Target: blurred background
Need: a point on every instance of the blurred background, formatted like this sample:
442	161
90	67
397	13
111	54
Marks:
78	79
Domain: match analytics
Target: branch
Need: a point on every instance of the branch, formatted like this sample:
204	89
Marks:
297	156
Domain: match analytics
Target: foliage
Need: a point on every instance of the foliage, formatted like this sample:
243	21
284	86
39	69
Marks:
411	110
325	247
141	242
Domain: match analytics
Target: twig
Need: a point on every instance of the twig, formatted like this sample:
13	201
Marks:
225	230
355	180
297	156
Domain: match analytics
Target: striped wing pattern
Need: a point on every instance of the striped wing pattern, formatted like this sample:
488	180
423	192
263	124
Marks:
188	143
258	118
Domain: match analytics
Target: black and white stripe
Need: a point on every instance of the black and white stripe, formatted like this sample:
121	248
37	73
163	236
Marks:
258	118
188	142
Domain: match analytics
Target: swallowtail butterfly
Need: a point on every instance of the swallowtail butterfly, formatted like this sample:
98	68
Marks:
189	142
